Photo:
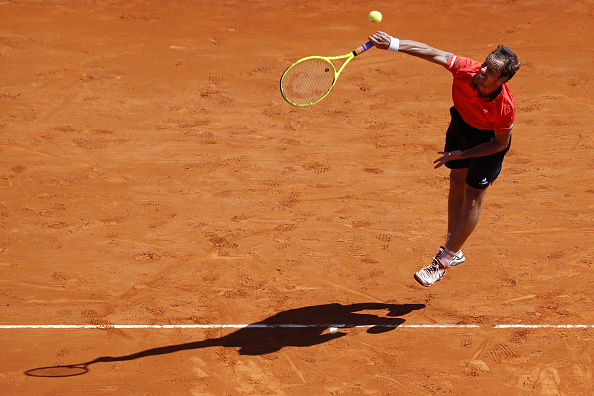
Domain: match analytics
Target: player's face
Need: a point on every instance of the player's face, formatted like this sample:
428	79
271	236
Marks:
489	74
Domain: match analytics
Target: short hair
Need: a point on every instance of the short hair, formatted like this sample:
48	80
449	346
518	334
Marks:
510	60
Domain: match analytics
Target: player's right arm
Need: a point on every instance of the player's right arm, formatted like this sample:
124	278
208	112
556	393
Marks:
382	40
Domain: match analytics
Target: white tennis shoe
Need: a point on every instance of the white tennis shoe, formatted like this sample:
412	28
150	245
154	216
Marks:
429	275
458	258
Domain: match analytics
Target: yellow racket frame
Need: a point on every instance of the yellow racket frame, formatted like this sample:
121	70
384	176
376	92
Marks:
348	57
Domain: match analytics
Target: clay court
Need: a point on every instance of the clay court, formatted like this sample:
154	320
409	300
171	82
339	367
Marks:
194	234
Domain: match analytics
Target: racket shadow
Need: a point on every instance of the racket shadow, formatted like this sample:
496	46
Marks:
300	327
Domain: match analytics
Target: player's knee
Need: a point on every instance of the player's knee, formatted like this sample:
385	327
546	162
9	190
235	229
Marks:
474	194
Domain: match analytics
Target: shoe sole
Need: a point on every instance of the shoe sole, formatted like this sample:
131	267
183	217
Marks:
421	282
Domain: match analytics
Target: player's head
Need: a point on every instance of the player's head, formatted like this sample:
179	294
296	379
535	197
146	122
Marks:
508	59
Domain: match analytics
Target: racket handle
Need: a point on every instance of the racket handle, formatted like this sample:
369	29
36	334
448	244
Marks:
363	48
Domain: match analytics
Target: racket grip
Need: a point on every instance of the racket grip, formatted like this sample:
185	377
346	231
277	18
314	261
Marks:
363	48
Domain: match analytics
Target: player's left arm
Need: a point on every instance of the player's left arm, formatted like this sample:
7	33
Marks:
500	143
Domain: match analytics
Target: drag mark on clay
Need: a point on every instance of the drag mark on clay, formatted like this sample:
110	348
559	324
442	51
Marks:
519	299
351	290
398	383
298	372
65	159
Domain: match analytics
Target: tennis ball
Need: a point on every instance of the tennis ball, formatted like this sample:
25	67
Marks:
375	16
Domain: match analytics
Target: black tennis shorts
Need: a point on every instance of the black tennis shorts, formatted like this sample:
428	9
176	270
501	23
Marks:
482	171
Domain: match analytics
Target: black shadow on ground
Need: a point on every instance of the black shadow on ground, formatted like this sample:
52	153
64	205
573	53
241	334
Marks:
300	327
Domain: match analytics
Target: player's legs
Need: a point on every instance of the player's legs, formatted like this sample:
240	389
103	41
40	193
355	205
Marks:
465	222
456	195
469	179
467	218
467	191
468	186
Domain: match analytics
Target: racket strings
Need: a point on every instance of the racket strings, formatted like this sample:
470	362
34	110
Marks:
308	81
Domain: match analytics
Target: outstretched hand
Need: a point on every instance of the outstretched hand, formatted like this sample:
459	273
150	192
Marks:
381	40
447	156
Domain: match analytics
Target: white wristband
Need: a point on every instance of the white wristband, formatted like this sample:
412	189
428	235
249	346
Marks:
394	44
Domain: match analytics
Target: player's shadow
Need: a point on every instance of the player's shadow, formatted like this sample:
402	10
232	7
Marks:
300	327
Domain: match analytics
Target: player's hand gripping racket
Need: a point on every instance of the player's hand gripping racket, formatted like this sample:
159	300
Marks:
310	79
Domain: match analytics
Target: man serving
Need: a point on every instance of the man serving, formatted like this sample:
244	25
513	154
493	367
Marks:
477	139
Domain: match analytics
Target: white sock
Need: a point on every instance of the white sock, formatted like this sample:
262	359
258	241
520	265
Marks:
448	235
446	257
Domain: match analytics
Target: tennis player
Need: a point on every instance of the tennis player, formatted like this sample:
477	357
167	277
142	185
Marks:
477	139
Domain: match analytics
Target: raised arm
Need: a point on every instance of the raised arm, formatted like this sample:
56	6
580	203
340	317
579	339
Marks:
382	40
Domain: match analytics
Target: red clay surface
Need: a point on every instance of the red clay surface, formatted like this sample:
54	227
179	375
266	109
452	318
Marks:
151	173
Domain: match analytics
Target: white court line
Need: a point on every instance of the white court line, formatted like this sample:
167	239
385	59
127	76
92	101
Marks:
541	326
221	326
267	326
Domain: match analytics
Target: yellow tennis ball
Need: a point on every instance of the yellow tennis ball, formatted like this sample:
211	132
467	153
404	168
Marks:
375	16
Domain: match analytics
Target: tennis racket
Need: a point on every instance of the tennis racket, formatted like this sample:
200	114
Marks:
310	79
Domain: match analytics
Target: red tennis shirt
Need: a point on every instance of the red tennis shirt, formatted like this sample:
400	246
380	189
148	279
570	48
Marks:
482	113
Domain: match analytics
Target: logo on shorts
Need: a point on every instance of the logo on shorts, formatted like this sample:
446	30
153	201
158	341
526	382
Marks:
484	181
485	111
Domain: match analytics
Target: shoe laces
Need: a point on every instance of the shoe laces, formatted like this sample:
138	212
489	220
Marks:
438	255
435	266
435	270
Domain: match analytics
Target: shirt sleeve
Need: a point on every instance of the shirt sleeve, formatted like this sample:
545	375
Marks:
451	61
456	63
